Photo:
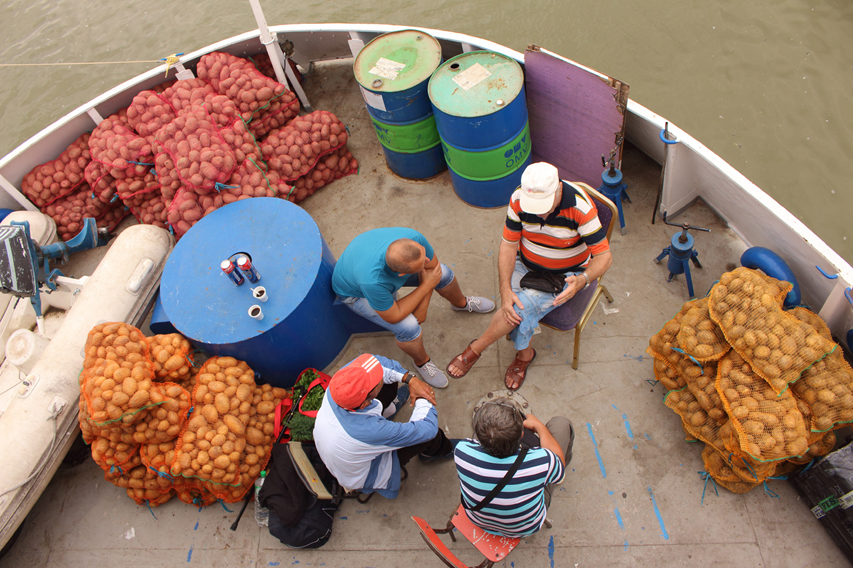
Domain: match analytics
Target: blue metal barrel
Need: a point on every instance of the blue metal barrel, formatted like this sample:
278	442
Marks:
480	110
302	326
393	71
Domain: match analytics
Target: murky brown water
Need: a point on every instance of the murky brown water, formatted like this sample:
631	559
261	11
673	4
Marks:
768	85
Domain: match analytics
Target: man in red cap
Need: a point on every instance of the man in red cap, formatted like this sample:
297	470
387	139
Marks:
361	447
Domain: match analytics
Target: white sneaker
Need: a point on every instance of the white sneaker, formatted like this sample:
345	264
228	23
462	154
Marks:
476	304
432	375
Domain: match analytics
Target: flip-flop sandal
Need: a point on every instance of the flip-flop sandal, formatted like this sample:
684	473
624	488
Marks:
517	372
464	361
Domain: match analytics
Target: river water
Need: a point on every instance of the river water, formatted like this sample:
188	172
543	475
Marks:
767	84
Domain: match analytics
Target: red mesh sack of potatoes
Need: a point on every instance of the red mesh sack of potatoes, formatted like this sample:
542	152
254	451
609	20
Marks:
116	146
263	103
827	389
103	185
149	112
159	89
48	182
661	344
243	142
113	216
250	180
769	427
293	151
201	156
185	210
777	345
150	208
185	95
171	356
166	173
329	168
118	375
140	183
69	211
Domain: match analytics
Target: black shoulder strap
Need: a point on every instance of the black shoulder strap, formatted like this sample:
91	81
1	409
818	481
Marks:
497	488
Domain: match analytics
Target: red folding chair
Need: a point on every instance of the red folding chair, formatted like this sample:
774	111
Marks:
495	548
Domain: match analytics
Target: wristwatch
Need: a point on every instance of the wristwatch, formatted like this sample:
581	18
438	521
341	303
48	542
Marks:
407	377
587	280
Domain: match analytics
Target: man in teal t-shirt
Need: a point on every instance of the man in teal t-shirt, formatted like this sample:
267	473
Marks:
376	264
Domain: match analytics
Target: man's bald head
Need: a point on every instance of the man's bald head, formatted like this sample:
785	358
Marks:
404	256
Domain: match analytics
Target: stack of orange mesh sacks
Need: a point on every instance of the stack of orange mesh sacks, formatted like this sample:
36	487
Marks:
159	426
763	387
186	148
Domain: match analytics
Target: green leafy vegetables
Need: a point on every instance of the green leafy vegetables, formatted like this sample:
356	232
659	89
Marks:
301	426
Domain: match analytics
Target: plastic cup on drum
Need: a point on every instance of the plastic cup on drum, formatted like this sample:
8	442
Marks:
255	312
260	294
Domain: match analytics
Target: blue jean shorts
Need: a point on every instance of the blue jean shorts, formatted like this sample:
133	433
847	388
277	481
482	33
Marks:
408	329
536	306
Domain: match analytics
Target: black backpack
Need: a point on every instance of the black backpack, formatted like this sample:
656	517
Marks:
297	518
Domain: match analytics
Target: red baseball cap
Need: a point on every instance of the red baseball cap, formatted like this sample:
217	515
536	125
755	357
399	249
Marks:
350	386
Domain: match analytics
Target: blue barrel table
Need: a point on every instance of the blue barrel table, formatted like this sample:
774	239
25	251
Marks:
480	109
302	326
393	71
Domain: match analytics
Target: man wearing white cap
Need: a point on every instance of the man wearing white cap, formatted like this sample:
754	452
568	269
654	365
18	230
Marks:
552	229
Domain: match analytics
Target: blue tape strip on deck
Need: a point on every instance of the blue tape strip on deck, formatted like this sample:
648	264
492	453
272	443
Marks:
597	453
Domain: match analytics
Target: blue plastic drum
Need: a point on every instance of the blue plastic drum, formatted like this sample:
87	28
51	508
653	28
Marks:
302	326
480	110
393	71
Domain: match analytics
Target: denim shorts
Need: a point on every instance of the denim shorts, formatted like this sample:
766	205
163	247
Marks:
408	329
536	305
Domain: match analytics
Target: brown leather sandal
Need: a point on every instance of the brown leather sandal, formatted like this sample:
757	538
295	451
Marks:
517	372
464	361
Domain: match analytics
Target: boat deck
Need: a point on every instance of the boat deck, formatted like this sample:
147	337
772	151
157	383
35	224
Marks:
633	495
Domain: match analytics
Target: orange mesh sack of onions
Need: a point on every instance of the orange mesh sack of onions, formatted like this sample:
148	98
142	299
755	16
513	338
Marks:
769	426
777	345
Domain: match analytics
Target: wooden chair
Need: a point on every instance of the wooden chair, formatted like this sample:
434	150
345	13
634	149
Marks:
495	548
576	313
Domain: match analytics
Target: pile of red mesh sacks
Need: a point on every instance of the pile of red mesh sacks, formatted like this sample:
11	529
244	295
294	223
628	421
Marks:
185	148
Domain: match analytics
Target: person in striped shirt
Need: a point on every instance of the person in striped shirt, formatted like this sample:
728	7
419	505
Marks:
551	226
501	433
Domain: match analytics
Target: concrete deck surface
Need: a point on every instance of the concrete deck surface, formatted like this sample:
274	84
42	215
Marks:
633	496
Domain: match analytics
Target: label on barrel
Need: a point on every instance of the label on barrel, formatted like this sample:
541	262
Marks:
471	76
387	68
372	99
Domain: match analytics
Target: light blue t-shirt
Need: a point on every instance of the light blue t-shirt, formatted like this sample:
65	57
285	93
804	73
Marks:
361	271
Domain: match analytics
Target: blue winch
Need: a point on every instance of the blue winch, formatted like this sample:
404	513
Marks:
680	251
613	188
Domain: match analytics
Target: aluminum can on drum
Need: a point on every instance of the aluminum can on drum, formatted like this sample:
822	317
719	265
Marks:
393	72
480	110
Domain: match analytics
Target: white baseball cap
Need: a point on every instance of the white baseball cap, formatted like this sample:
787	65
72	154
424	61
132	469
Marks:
539	183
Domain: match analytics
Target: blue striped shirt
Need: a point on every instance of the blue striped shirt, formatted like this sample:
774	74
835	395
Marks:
519	509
